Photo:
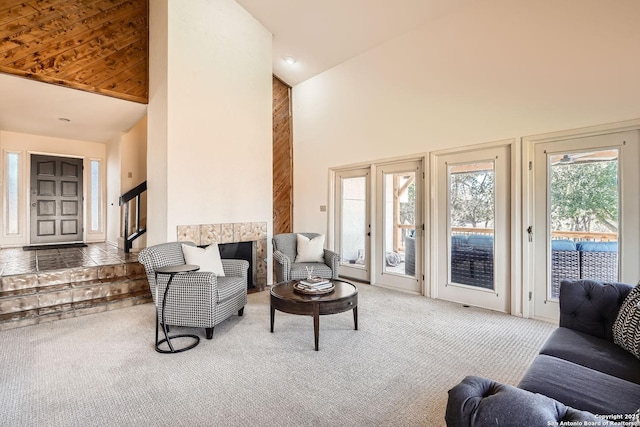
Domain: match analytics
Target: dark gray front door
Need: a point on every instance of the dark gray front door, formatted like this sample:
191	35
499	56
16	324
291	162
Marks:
56	199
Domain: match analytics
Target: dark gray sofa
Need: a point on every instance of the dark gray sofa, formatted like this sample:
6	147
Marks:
579	373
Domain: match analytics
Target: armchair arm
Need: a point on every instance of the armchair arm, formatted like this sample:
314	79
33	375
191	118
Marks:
591	307
478	402
282	266
186	280
235	267
332	259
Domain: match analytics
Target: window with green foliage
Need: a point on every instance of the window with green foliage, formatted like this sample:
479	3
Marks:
584	196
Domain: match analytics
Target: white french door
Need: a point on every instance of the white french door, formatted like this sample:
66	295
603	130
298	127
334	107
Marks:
585	214
399	225
471	227
352	225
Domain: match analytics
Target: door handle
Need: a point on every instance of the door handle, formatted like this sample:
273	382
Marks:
33	205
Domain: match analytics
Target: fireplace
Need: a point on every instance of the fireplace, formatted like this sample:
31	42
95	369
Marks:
239	240
245	251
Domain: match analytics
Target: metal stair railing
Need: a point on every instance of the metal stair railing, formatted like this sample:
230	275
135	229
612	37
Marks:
125	200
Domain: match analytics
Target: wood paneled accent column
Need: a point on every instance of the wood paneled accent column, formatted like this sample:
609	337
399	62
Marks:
98	46
282	158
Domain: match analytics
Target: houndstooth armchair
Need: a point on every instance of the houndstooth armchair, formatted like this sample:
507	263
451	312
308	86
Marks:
285	247
199	299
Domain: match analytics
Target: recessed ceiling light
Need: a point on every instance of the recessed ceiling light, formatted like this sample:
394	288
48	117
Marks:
290	60
64	119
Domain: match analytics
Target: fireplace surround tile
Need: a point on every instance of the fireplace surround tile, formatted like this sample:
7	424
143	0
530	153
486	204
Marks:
232	233
210	233
227	233
189	233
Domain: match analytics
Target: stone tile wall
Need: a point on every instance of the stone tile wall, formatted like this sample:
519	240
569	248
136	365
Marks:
206	234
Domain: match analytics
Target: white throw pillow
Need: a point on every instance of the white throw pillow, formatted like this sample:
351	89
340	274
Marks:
310	250
208	258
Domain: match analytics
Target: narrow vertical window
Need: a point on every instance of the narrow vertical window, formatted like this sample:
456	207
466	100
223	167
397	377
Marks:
95	195
13	174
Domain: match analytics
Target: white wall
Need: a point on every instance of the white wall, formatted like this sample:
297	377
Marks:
113	191
494	70
126	155
26	145
157	124
210	135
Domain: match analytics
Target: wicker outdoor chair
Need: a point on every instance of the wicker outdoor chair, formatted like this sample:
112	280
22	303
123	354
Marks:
565	264
472	260
200	299
598	261
410	255
285	249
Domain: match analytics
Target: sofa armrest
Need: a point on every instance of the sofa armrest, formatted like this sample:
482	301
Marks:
282	264
235	267
281	258
591	307
477	402
332	259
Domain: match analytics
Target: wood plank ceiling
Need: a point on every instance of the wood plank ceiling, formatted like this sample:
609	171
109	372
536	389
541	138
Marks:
99	46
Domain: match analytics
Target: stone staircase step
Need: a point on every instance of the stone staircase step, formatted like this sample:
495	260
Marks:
29	299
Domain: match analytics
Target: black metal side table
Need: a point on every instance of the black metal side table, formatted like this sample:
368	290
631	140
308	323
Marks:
171	271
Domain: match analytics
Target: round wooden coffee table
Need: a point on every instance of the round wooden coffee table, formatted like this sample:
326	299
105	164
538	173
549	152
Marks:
343	298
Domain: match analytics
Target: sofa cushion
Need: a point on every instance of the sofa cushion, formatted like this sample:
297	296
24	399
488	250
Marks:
590	306
480	240
597	246
477	401
593	352
229	287
563	245
626	328
581	387
458	239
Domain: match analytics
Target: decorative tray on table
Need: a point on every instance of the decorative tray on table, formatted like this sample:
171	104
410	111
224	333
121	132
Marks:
314	286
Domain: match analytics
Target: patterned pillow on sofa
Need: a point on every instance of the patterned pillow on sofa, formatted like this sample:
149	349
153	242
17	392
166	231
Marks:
626	328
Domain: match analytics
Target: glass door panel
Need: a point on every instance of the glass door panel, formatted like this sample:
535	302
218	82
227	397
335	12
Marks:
399	223
585	212
583	227
399	226
471	219
353	227
471	229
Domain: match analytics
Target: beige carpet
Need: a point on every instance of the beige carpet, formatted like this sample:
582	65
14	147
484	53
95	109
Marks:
102	370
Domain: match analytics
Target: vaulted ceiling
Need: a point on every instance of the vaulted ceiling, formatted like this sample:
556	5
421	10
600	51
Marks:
324	33
100	46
